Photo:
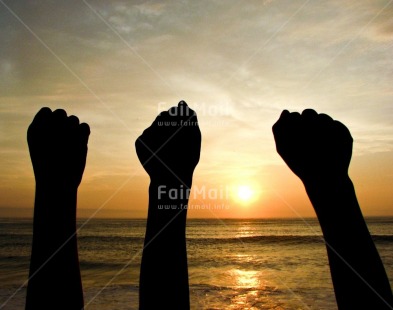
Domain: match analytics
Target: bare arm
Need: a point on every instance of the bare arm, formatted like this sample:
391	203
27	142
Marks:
58	148
169	151
318	150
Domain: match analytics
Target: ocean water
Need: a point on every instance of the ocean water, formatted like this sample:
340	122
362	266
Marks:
233	264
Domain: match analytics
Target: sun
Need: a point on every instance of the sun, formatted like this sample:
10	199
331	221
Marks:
244	193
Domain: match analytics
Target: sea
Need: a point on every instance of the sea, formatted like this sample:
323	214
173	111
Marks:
233	263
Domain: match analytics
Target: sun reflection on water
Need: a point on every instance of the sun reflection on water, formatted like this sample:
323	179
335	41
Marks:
244	231
250	291
245	278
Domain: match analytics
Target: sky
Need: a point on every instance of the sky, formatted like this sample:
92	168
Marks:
238	64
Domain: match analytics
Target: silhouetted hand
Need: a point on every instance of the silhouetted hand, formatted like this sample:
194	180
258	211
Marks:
58	148
170	148
318	150
314	146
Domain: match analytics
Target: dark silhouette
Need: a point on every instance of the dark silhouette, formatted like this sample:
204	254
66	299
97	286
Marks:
58	149
315	147
169	151
318	150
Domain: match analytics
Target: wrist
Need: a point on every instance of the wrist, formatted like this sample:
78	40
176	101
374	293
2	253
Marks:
168	206
334	201
175	194
172	181
55	207
57	187
327	181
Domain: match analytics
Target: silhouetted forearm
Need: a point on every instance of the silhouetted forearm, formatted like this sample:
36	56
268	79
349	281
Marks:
54	281
358	275
164	275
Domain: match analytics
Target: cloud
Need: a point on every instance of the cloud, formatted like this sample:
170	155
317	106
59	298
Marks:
253	59
384	25
151	8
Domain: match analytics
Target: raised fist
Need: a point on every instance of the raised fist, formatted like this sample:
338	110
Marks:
314	146
170	148
58	148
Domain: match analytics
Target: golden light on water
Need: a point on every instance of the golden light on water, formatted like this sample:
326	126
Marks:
246	278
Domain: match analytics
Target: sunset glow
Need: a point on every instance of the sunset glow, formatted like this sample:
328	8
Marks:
244	193
117	64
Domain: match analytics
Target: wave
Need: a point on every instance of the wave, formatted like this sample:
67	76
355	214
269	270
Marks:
25	240
87	264
213	240
263	239
305	239
281	239
382	238
115	239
